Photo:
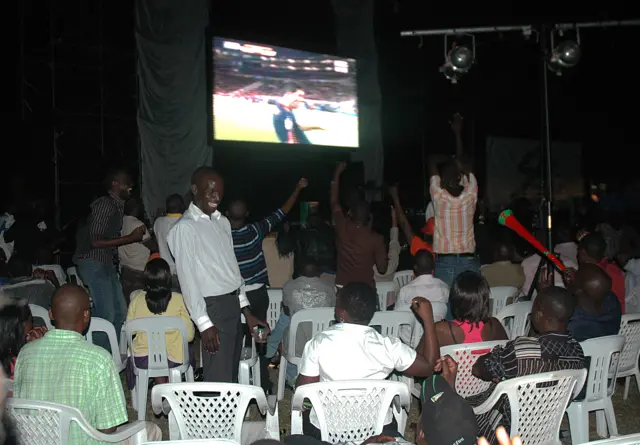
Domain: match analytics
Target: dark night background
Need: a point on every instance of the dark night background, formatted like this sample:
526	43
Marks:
594	104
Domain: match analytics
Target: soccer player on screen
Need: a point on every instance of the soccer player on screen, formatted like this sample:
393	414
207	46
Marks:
284	121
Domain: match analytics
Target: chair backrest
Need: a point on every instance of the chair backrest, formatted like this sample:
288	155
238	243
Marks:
403	277
387	293
466	355
390	322
196	442
516	318
350	411
98	324
318	318
630	439
205	409
275	306
41	313
156	329
604	353
630	329
74	278
499	297
538	403
56	269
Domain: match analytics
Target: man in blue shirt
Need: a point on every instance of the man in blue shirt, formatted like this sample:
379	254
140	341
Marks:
247	245
285	124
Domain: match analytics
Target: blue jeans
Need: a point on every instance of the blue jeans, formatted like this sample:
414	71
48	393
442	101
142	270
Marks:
275	338
448	267
106	292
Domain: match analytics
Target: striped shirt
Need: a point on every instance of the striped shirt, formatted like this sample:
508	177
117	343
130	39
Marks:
62	367
454	217
247	245
518	358
105	222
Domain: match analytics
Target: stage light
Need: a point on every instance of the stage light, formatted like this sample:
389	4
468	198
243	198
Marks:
566	54
458	60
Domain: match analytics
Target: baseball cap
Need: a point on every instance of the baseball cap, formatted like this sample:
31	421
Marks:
447	418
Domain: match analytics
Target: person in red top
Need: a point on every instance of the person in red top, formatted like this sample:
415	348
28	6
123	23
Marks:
591	250
358	247
416	243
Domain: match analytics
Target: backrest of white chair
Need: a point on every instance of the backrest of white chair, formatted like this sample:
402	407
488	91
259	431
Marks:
41	423
387	293
630	329
516	318
403	277
74	278
538	403
98	324
351	411
275	306
466	355
391	321
603	367
41	313
499	297
205	409
156	328
319	319
630	439
56	269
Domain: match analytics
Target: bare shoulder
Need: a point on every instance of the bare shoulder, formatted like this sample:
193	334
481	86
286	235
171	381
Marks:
493	330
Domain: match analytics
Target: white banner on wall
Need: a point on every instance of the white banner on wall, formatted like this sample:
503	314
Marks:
513	171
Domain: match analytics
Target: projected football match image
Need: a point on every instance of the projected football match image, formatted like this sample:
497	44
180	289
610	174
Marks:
271	94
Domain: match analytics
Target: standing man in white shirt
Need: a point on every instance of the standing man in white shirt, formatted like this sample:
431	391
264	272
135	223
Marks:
210	278
163	224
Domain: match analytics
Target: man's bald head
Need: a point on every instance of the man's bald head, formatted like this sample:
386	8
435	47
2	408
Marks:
70	308
591	281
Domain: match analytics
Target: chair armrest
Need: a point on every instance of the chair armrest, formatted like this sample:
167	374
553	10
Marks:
490	402
125	432
272	404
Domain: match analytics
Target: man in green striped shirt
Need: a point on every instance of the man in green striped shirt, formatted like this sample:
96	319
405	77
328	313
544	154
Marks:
62	367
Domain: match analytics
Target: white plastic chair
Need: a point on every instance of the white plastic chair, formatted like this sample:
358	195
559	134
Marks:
630	439
196	442
74	278
249	368
156	328
207	410
41	313
46	423
601	383
101	325
499	297
319	319
630	328
349	411
516	318
275	306
57	271
537	404
387	293
403	277
466	355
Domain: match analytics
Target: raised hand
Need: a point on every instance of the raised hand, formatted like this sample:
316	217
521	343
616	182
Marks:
303	183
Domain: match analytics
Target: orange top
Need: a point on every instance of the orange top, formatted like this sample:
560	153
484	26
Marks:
154	256
418	244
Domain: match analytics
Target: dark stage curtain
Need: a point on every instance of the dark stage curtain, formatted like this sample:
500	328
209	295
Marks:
354	20
172	101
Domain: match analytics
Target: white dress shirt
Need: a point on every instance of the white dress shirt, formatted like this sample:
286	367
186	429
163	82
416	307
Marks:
161	228
433	289
349	351
206	264
135	255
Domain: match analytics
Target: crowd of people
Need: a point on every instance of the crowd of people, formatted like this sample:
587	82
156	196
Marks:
212	270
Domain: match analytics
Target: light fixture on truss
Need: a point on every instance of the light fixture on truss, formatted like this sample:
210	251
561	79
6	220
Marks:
458	59
565	54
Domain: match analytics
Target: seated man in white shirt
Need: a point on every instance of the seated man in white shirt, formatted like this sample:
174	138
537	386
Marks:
352	350
423	285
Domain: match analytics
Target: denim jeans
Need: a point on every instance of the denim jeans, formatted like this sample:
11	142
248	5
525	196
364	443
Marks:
448	267
106	292
275	338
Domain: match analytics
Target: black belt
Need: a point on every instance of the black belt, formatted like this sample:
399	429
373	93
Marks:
457	255
230	294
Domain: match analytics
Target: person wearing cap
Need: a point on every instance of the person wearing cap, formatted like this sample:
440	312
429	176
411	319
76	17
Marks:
550	348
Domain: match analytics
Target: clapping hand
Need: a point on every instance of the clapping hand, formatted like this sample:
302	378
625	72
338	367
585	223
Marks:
503	438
